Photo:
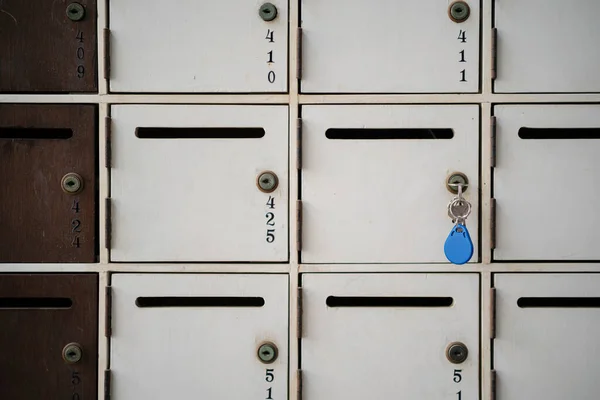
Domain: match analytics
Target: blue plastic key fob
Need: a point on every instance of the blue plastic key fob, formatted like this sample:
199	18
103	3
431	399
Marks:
459	246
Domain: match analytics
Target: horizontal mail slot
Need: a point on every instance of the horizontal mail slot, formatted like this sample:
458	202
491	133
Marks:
333	301
35	133
380	134
152	302
200	133
559	302
559	133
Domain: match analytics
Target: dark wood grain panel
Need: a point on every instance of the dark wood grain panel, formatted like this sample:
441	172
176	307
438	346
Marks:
39	222
40	47
32	339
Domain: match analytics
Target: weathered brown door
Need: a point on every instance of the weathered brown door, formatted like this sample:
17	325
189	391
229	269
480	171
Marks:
39	316
44	151
48	46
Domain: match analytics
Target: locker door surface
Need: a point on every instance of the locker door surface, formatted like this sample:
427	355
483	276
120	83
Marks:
546	343
184	183
547	46
374	180
388	46
39	316
39	220
197	336
385	336
546	182
43	50
197	46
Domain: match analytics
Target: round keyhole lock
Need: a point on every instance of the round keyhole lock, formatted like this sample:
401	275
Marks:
72	183
455	179
75	12
267	352
457	353
459	11
267	181
72	353
268	12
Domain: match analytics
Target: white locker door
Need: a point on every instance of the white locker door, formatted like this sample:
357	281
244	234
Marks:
374	181
197	336
547	46
197	46
389	46
546	182
546	344
385	336
184	183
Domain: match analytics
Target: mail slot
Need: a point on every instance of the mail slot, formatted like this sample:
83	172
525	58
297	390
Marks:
545	180
49	336
547	46
220	46
199	336
374	181
390	46
48	46
48	196
546	329
199	183
387	336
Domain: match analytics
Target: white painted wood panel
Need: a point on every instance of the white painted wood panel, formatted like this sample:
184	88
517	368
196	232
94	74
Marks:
546	353
385	200
197	352
197	46
546	189
388	46
547	46
357	353
197	199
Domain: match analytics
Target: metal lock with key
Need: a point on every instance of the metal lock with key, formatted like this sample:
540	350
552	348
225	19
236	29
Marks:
458	247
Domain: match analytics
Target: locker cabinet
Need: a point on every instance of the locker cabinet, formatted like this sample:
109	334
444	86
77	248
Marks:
186	183
48	191
547	46
198	46
387	336
546	336
48	338
374	180
48	46
389	46
545	182
199	336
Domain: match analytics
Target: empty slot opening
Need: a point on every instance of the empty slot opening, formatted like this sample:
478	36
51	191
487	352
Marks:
334	301
199	133
558	302
559	133
35	302
35	133
151	302
377	134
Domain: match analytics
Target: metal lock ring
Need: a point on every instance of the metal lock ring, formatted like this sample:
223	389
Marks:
72	353
75	12
267	181
267	352
268	12
72	183
459	11
457	352
455	179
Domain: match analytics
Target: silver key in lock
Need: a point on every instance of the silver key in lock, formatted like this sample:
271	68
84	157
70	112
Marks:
459	208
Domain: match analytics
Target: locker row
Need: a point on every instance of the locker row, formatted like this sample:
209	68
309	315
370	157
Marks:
360	336
240	46
203	183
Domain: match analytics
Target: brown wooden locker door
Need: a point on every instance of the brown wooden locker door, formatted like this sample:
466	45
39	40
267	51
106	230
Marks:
39	221
43	50
39	316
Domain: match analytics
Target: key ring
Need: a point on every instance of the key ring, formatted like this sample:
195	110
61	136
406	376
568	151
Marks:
455	202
